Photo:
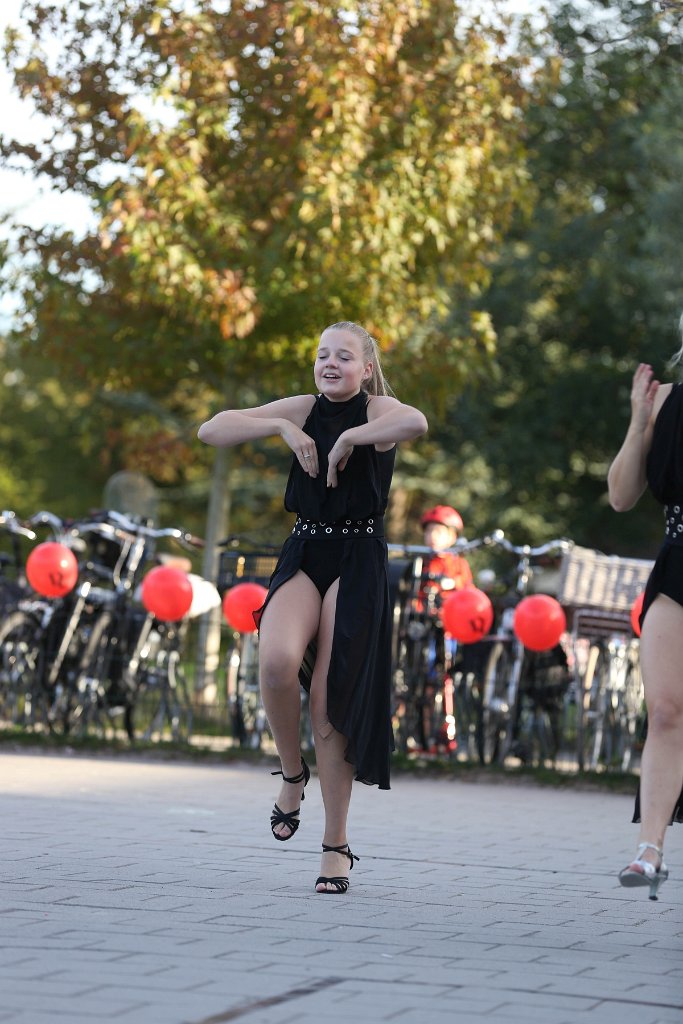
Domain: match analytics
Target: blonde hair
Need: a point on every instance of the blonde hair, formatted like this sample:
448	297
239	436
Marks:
677	357
377	384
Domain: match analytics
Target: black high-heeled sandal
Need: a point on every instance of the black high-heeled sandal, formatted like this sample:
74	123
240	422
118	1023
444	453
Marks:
340	883
289	818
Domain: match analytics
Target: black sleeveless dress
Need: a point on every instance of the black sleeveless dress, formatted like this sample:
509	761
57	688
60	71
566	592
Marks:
350	516
665	480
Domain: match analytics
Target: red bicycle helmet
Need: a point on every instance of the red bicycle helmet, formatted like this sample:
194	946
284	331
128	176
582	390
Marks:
443	514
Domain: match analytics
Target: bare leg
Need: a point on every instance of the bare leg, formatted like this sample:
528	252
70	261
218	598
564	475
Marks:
288	625
661	777
336	774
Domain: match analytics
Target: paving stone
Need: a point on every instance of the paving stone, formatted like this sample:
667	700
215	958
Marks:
152	893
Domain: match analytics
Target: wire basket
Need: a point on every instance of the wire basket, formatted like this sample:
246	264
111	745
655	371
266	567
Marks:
245	567
606	583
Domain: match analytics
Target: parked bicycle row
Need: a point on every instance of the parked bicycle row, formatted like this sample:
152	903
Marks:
80	647
488	671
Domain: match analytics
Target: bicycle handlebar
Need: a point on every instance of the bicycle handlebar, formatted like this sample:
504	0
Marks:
140	530
9	522
560	544
119	527
462	544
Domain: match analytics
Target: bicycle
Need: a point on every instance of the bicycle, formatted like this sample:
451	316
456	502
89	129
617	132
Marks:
132	663
244	561
433	703
91	655
522	695
16	657
247	718
600	591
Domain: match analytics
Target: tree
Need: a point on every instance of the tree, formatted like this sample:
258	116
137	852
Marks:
259	171
586	287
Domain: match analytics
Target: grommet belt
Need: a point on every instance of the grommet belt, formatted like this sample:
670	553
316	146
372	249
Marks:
673	524
340	529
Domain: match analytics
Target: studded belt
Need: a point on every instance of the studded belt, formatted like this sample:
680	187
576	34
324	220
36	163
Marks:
340	529
673	524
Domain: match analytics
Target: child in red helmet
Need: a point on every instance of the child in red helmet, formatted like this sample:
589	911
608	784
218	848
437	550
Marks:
444	570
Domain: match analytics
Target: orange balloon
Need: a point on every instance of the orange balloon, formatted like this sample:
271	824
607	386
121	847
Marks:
167	593
52	569
467	614
240	603
539	622
636	609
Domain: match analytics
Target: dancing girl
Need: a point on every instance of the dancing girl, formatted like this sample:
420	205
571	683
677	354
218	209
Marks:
652	455
326	620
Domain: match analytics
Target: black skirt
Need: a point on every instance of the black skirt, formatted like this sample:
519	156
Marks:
359	676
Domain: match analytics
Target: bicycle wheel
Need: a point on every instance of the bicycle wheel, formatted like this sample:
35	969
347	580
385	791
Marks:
21	695
632	707
592	711
247	716
411	710
88	709
535	741
493	721
159	687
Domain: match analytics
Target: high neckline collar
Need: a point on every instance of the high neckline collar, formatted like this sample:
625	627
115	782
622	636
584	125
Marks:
334	407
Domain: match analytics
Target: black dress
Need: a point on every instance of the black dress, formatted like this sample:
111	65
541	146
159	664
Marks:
349	520
665	480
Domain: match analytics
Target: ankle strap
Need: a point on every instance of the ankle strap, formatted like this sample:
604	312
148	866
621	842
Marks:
344	848
650	846
294	778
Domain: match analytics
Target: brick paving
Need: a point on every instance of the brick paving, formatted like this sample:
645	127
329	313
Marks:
152	893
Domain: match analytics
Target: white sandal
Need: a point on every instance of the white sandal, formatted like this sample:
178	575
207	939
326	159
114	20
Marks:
642	872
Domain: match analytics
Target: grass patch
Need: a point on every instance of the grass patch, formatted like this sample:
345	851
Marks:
414	765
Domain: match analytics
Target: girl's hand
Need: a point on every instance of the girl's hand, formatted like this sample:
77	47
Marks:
337	459
643	391
303	447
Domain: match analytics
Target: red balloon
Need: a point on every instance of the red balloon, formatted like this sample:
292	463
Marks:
539	622
52	569
240	603
636	609
467	614
167	593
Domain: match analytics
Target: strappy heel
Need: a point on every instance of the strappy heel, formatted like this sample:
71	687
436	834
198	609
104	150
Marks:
340	883
645	873
289	818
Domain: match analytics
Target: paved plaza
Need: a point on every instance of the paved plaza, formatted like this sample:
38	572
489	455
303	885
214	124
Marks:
151	892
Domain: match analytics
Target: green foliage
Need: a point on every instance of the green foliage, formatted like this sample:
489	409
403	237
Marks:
258	171
585	288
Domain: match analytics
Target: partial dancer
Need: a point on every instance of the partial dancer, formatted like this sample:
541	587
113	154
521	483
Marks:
326	622
652	455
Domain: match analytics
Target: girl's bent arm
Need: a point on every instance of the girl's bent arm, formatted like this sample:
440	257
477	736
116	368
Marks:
233	426
389	421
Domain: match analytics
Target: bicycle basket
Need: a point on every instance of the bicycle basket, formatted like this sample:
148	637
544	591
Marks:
589	579
240	567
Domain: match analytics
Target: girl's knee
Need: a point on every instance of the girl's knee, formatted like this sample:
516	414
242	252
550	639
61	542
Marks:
664	715
279	673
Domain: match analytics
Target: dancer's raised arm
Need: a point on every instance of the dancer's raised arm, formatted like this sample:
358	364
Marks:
626	480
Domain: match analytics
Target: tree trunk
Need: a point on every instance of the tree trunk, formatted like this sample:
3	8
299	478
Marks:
218	515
